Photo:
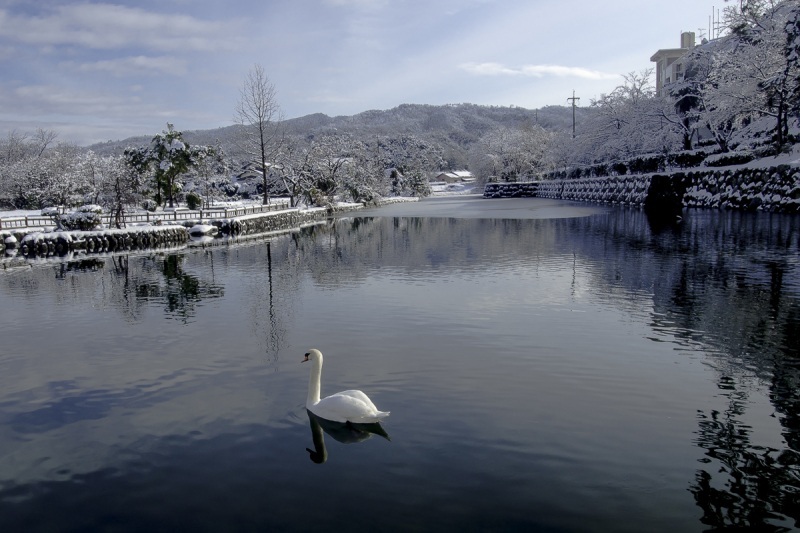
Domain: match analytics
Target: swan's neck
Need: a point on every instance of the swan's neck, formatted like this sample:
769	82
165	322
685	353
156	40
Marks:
313	382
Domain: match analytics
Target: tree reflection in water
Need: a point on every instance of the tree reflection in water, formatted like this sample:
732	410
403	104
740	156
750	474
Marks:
734	288
180	291
744	485
730	283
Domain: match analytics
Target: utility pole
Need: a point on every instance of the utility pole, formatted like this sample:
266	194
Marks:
574	99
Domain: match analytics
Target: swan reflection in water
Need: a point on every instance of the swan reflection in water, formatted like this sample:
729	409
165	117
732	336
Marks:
344	432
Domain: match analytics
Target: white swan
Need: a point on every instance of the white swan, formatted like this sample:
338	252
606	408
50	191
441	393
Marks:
347	406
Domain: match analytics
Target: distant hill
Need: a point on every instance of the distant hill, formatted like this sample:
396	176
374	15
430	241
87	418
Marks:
454	126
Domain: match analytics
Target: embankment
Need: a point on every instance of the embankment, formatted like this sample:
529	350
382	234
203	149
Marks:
35	243
775	189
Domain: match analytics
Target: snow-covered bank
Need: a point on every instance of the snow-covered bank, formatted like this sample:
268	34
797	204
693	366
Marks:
34	243
749	188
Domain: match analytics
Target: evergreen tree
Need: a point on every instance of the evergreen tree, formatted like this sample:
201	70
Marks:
168	156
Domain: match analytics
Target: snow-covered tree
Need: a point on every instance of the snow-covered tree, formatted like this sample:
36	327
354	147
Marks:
366	182
792	71
28	176
120	187
331	165
512	154
167	158
294	170
212	167
259	115
628	121
14	147
748	74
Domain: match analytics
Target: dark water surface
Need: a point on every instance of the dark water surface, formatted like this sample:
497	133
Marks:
592	373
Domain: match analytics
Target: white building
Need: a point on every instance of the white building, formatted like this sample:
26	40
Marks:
669	65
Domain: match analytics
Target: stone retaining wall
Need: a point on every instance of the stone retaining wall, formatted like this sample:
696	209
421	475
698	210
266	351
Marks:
511	190
60	243
35	243
775	189
277	221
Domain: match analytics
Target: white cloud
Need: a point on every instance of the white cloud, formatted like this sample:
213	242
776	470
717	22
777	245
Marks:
50	99
362	4
136	66
535	71
106	26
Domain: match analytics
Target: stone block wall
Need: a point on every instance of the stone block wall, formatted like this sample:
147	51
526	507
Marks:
774	189
511	190
624	190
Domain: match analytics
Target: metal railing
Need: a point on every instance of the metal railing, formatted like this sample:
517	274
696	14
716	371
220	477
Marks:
44	221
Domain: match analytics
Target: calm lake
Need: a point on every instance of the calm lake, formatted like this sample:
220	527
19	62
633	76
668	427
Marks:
548	367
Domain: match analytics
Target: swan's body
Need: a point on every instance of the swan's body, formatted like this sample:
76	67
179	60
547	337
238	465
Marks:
347	406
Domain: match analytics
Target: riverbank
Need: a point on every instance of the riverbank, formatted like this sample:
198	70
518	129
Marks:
38	244
774	189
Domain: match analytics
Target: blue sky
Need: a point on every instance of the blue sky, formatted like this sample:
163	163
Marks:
95	71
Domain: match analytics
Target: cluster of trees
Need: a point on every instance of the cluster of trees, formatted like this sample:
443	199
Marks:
315	168
36	172
319	168
751	74
511	154
734	89
167	159
332	165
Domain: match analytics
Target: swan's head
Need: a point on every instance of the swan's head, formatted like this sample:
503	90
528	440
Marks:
313	354
317	457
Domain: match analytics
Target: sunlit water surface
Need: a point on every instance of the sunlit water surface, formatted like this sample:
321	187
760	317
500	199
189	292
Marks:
548	367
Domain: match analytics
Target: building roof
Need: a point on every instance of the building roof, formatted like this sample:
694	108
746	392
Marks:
668	52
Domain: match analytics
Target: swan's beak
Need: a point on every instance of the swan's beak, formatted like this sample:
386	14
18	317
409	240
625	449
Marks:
305	359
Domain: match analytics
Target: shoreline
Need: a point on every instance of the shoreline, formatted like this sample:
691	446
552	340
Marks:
35	246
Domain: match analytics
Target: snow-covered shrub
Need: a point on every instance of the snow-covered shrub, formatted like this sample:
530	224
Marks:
599	170
729	158
646	164
619	168
574	173
85	218
193	201
687	159
149	205
230	189
319	199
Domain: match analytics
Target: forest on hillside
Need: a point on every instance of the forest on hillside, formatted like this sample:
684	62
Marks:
738	100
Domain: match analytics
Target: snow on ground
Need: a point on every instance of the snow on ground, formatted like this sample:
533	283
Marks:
439	189
21	213
230	205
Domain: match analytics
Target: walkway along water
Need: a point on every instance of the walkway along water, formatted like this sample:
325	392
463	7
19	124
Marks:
35	243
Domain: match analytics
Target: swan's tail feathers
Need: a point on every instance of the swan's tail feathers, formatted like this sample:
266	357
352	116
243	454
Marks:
375	417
